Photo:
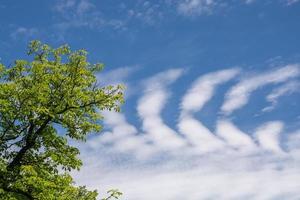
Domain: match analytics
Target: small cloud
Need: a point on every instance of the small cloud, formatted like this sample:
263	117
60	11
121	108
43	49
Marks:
145	11
63	5
195	7
234	136
239	94
249	1
118	76
285	89
291	2
203	89
202	139
82	13
268	136
22	33
206	7
84	7
150	106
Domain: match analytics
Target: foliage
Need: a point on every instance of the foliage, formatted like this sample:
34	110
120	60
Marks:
113	194
57	90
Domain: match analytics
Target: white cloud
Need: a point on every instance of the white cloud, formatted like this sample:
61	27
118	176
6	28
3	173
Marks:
122	139
203	89
268	136
293	142
24	33
285	89
291	2
212	177
119	76
84	6
119	126
202	139
227	164
195	7
162	80
239	94
150	106
234	136
249	1
81	13
116	76
62	5
148	12
204	7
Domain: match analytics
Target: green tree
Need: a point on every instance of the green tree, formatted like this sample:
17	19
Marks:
57	88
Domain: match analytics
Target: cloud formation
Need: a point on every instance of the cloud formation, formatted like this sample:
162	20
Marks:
81	13
239	94
205	7
194	162
200	93
233	136
268	136
195	7
203	89
150	106
285	89
23	33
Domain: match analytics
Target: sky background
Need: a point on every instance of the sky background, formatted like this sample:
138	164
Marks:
212	100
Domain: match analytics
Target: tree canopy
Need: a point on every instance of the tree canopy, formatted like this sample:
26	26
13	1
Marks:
44	103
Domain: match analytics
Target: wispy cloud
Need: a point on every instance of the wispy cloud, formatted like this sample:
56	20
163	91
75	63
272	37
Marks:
82	13
85	13
123	137
150	106
147	12
202	139
23	33
285	89
206	7
233	136
209	177
202	91
200	163
268	136
196	7
239	94
291	2
118	76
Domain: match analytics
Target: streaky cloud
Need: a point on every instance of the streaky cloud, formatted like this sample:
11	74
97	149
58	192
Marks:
285	89
195	7
193	101
199	163
150	106
233	136
239	95
202	139
268	136
203	89
122	138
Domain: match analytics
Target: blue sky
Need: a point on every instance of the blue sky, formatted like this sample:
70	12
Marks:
212	101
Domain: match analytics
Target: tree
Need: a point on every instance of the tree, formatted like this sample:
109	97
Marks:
56	90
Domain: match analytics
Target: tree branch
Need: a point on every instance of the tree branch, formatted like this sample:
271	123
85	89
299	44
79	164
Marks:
18	191
30	142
